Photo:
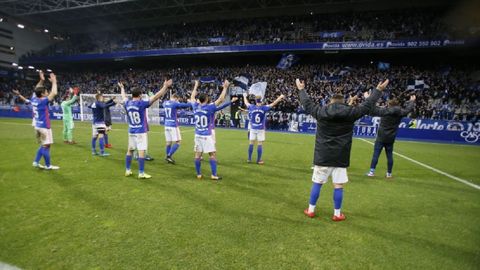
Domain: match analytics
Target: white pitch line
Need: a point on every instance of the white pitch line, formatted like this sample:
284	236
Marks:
466	182
79	127
4	266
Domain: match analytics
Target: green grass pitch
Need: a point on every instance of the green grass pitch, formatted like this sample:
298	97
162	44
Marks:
88	215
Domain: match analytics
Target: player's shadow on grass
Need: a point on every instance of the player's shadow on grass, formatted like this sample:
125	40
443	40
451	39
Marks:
96	202
280	173
209	205
254	192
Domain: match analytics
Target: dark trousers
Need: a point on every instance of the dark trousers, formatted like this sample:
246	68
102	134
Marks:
377	150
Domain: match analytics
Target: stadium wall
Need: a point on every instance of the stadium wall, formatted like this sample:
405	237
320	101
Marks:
425	130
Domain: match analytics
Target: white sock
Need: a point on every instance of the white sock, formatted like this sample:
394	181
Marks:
336	212
311	208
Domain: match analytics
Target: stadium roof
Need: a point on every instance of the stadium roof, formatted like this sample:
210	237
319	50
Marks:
93	15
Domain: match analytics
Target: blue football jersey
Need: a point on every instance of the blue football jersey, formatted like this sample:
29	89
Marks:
40	112
98	111
171	108
203	118
137	116
256	115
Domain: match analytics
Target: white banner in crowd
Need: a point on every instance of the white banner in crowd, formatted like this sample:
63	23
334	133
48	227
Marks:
258	89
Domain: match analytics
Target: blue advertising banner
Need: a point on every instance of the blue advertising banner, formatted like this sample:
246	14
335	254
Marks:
322	46
426	129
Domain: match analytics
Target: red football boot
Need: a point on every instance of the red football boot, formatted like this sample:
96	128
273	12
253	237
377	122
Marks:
309	214
339	218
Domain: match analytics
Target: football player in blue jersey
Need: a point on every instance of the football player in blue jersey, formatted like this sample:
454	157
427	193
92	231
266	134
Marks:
137	125
42	120
98	125
257	115
172	131
204	143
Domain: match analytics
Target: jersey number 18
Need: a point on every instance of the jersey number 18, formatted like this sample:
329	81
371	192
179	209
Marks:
134	117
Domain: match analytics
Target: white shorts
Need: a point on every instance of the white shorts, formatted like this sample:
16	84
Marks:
44	135
172	134
96	128
204	144
257	135
138	141
321	174
213	136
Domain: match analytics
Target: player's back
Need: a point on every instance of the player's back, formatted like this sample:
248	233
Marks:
98	112
137	116
257	116
387	130
40	112
203	118
171	107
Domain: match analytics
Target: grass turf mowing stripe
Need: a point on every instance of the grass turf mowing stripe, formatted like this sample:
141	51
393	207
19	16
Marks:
466	182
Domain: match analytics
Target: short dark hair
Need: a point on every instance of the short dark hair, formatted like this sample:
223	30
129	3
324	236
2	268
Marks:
40	90
393	102
136	92
202	97
337	98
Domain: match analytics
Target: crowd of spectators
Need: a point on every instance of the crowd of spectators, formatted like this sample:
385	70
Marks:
364	26
447	93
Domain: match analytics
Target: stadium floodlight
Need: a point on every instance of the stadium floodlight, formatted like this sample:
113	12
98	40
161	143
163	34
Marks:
49	70
20	67
21	26
14	64
12	48
1	19
45	30
31	67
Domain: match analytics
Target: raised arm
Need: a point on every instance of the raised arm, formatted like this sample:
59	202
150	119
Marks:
223	106
184	105
122	91
161	93
110	103
221	98
367	106
53	92
276	101
71	101
308	105
41	82
409	107
17	93
245	99
194	91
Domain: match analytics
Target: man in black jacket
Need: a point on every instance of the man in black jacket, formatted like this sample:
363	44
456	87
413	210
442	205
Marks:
108	123
333	142
387	131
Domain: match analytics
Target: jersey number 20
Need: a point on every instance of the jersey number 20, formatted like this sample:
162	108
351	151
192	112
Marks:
201	121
